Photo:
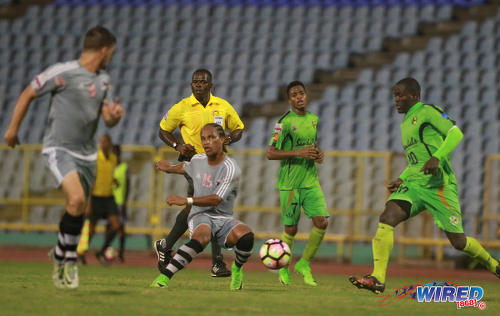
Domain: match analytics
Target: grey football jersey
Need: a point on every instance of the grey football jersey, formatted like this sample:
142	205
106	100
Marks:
222	180
75	106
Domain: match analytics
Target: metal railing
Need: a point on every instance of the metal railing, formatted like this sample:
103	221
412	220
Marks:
358	220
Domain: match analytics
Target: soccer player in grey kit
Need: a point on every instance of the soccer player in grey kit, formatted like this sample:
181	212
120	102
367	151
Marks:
215	179
80	94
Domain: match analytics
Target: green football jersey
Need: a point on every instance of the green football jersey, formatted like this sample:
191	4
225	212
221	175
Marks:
423	130
292	132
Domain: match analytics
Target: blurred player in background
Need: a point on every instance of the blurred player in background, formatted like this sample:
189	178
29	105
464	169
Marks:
190	115
215	179
102	201
428	183
294	143
120	192
80	94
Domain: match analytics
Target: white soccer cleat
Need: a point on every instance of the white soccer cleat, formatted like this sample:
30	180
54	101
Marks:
57	271
71	275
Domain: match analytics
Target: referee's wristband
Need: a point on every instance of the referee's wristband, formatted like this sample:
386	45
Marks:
189	201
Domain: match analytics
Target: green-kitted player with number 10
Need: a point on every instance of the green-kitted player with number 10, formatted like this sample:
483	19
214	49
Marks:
428	183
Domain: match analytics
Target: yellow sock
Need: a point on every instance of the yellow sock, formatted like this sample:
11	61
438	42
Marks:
474	250
382	245
315	238
289	239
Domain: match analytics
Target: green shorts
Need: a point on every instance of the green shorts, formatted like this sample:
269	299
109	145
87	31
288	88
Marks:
441	202
311	199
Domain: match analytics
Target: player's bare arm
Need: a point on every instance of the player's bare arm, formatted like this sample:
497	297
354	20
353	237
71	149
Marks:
169	139
166	166
112	113
234	136
207	200
308	152
20	110
394	185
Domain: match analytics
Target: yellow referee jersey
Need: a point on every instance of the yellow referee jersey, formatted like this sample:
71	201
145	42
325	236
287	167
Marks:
104	176
190	116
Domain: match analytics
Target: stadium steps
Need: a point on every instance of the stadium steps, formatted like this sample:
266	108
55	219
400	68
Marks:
375	60
13	11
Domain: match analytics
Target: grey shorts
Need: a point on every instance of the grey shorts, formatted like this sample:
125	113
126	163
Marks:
221	226
61	163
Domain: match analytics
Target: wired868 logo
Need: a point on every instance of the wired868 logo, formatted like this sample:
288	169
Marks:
463	296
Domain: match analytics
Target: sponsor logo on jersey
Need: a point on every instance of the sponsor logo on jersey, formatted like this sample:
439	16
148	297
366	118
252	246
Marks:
315	124
445	115
59	81
454	220
411	142
278	128
92	90
414	121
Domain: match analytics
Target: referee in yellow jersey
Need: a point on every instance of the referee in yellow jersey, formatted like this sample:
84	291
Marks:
190	115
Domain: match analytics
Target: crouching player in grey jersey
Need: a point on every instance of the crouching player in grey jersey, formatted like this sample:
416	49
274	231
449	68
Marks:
215	177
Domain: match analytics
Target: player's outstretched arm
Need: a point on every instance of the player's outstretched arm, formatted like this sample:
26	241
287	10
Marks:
308	152
165	166
453	138
20	110
112	113
207	200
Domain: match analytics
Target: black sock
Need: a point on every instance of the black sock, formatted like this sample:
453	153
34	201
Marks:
216	251
178	230
108	237
122	242
70	229
243	249
184	255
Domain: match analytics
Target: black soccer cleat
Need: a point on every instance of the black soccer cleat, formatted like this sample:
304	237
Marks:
368	282
164	255
219	269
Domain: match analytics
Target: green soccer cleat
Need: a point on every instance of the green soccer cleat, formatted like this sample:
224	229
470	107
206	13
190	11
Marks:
236	278
160	281
302	268
284	276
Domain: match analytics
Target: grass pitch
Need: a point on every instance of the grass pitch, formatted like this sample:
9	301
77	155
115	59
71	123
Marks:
26	289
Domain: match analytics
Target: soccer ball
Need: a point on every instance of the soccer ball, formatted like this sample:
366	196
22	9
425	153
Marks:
110	254
275	254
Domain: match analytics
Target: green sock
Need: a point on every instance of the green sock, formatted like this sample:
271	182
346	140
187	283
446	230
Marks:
315	238
474	250
289	239
382	245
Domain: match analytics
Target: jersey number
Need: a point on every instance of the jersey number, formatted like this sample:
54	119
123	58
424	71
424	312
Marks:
412	158
206	181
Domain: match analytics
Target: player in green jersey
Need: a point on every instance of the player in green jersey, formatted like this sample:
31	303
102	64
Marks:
428	183
294	143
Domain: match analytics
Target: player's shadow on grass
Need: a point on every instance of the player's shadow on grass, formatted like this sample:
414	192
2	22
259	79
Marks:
112	292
